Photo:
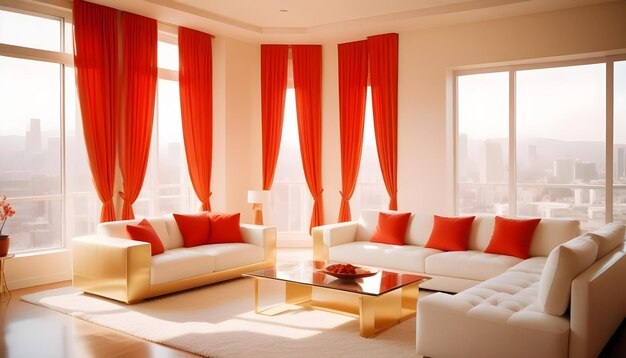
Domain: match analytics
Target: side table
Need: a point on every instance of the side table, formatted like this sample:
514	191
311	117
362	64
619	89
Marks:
3	280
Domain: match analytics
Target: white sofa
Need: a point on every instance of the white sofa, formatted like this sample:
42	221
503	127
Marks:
112	265
496	312
452	271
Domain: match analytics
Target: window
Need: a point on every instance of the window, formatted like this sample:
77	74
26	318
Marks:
29	30
482	164
167	186
558	168
38	132
291	201
561	143
370	192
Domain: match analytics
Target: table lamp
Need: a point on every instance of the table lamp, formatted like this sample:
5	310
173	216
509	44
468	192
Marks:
257	198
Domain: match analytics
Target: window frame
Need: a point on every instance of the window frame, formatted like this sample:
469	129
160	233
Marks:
64	60
512	69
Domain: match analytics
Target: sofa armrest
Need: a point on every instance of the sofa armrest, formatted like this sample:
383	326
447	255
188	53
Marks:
327	236
598	304
263	236
111	267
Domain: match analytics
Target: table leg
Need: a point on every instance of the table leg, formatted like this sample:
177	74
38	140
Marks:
379	313
297	293
256	295
410	294
3	281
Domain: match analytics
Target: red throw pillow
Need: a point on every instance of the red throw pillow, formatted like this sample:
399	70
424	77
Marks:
194	228
512	237
450	233
146	233
391	228
225	228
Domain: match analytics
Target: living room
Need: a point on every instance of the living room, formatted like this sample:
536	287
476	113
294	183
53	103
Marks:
438	44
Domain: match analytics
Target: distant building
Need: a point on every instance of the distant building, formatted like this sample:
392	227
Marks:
585	171
33	136
462	153
495	170
564	171
621	163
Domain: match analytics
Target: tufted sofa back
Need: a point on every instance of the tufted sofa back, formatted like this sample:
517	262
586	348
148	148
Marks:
549	233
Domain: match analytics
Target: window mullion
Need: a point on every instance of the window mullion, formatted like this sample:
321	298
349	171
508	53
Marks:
512	148
608	217
455	142
63	158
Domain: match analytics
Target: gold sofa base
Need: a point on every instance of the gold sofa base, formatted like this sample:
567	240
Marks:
120	268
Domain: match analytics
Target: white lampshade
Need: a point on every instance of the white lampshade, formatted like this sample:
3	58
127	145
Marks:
258	196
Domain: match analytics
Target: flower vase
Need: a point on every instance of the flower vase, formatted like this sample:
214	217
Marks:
5	240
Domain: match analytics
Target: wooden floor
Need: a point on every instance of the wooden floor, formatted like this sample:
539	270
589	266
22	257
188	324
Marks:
28	330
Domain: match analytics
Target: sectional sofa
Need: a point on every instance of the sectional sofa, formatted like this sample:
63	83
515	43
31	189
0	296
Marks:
112	265
497	310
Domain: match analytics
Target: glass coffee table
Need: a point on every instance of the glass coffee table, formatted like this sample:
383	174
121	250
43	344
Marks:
379	301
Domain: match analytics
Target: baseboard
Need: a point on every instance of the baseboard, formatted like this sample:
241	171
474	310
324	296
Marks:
38	281
38	268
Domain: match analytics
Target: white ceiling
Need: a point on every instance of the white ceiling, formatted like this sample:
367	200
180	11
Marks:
329	20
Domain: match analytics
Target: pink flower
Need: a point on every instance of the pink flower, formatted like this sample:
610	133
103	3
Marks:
6	211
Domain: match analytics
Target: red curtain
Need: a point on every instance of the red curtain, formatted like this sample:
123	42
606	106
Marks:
196	104
273	90
383	55
307	78
95	59
352	98
139	75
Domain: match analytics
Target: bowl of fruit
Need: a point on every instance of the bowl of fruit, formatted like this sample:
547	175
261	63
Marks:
348	271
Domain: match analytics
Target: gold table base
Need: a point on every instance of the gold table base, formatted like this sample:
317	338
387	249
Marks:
376	313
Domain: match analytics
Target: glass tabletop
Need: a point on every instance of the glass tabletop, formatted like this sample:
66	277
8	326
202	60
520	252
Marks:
312	273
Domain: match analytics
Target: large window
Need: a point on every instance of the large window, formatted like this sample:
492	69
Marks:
44	170
370	192
531	142
167	187
291	201
41	135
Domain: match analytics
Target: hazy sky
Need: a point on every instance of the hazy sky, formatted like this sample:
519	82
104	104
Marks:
564	103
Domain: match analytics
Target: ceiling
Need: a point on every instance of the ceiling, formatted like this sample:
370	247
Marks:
305	21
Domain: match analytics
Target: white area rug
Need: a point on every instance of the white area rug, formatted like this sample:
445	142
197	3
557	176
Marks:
219	321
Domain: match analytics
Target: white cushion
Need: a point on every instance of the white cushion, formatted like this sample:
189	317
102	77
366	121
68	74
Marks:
160	227
367	224
178	264
480	235
608	238
552	232
473	265
419	229
229	256
175	238
565	262
395	257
